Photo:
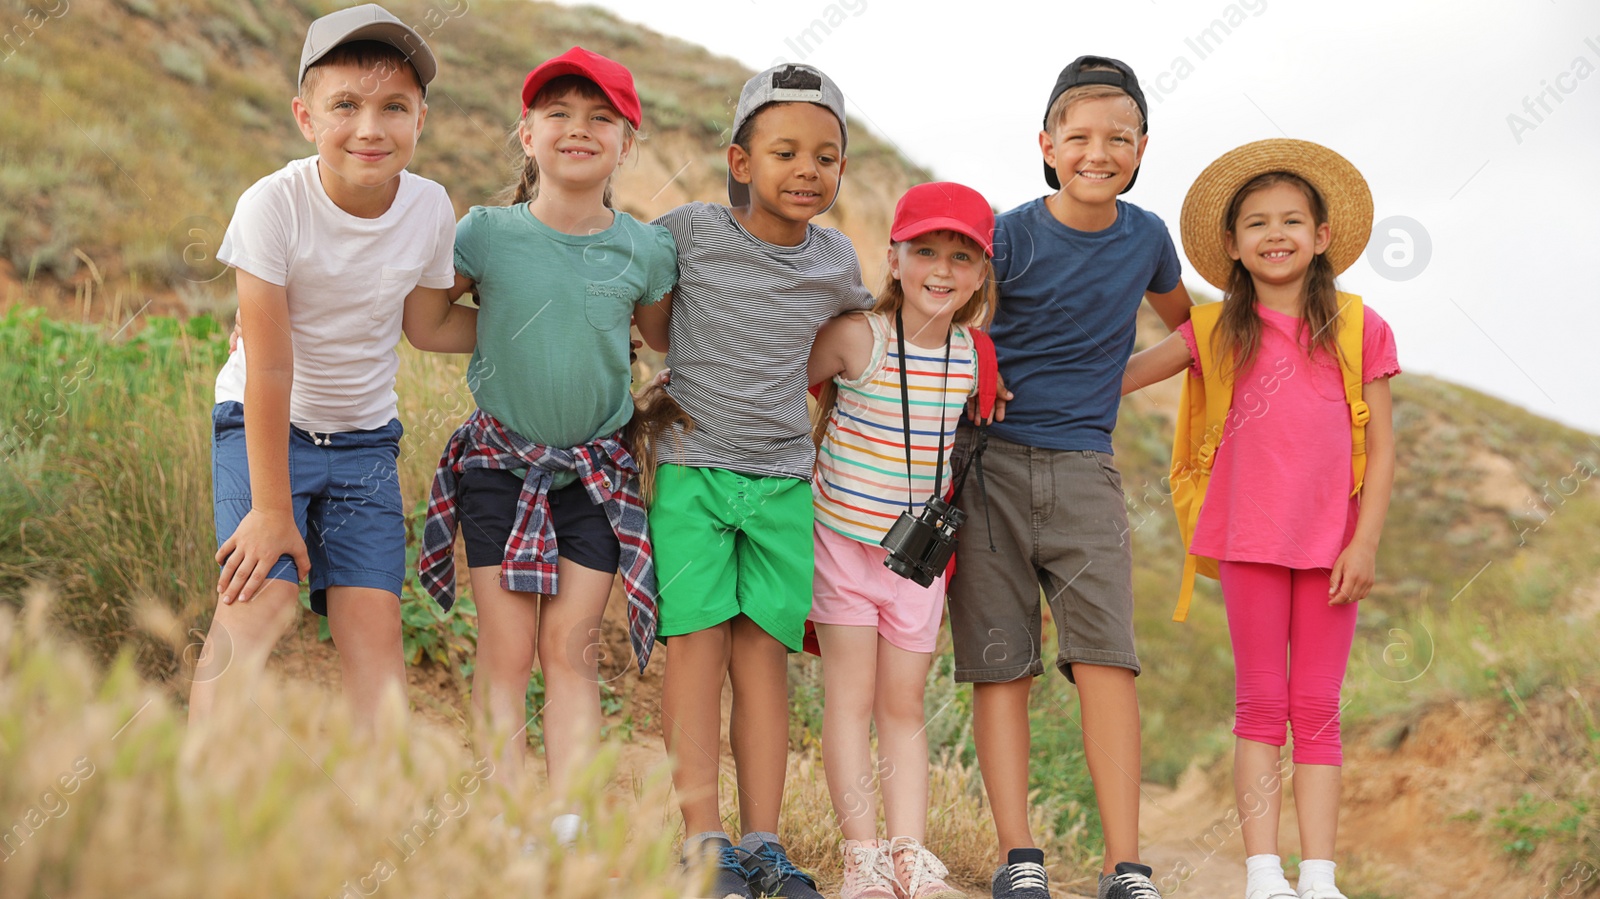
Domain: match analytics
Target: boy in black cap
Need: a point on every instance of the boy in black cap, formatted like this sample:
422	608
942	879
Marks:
1072	268
337	254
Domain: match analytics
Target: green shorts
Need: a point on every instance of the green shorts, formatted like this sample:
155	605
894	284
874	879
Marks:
730	544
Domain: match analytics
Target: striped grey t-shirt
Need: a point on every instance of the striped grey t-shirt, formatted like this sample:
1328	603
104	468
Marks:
744	315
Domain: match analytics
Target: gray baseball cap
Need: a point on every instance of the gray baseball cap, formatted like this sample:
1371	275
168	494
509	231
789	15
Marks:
367	22
786	83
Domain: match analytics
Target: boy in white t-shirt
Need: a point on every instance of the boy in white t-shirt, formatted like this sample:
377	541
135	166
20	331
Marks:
337	255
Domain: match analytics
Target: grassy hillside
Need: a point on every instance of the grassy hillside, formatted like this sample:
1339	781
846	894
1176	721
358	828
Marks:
130	127
105	476
127	132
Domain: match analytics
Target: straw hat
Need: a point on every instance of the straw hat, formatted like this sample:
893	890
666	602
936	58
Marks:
1345	192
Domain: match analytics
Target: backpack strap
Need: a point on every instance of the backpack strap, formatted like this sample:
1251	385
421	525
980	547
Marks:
1203	417
1351	330
988	373
1202	422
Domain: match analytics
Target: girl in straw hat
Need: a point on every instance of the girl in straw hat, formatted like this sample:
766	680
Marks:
1291	524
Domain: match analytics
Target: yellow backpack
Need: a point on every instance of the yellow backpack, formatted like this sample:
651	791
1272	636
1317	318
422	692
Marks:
1202	422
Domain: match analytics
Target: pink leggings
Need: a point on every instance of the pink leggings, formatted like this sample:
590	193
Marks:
1276	612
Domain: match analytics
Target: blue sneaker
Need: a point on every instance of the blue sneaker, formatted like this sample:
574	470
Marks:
727	863
772	875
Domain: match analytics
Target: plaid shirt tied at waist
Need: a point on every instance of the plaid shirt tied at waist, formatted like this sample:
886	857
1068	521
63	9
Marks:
608	473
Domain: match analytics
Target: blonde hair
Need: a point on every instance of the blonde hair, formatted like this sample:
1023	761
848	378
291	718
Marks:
1058	109
526	187
977	312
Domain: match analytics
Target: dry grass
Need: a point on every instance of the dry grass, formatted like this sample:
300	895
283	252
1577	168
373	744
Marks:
960	830
110	796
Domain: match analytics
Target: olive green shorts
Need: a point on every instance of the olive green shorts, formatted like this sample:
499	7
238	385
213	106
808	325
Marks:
1060	523
729	544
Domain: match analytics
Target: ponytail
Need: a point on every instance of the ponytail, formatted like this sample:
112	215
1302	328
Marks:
527	183
656	413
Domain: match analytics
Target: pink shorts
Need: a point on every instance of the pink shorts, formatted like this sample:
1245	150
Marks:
852	587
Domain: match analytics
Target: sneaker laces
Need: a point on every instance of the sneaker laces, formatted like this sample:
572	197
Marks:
728	859
925	866
1030	875
872	865
1138	885
781	865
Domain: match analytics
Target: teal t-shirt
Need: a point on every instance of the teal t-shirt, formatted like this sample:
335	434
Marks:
552	356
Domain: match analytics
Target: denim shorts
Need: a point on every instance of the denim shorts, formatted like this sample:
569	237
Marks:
346	492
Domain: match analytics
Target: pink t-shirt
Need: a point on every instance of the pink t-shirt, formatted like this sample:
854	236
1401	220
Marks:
1280	485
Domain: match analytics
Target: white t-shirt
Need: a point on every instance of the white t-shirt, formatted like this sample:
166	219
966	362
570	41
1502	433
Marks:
347	280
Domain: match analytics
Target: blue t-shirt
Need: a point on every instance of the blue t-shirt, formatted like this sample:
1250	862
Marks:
1065	327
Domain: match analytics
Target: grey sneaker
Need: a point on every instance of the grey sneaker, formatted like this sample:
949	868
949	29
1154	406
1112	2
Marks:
771	874
728	877
1021	880
1130	881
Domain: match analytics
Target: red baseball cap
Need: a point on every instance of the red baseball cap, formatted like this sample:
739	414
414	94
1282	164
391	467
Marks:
944	206
612	77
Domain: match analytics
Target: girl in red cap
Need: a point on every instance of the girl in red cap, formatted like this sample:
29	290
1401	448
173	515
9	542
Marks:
544	489
897	379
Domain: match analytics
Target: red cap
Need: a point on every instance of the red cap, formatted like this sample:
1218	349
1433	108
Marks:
612	77
944	206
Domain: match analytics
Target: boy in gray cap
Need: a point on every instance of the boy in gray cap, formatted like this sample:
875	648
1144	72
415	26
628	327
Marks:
337	254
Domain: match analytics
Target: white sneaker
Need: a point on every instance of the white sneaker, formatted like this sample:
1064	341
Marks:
1321	891
1279	890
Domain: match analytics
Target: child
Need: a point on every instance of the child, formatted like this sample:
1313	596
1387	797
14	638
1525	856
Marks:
1072	269
731	517
877	630
336	254
545	491
1294	530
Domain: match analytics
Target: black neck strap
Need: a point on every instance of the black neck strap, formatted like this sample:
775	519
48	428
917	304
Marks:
905	410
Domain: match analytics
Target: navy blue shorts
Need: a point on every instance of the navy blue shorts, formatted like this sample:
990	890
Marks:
486	500
346	493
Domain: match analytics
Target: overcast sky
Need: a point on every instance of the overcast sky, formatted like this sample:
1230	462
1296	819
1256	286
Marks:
1477	125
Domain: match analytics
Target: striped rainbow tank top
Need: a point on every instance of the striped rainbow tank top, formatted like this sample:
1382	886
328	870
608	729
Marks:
860	487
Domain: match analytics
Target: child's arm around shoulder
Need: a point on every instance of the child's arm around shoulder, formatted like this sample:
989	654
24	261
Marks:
434	322
1156	364
268	530
655	322
1173	306
431	319
843	347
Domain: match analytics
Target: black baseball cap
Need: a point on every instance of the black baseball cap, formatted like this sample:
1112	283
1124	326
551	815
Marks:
1074	76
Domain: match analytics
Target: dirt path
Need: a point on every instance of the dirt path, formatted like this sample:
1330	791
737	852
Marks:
1189	840
1409	802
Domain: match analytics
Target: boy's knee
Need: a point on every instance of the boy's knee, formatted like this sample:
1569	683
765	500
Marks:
257	622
